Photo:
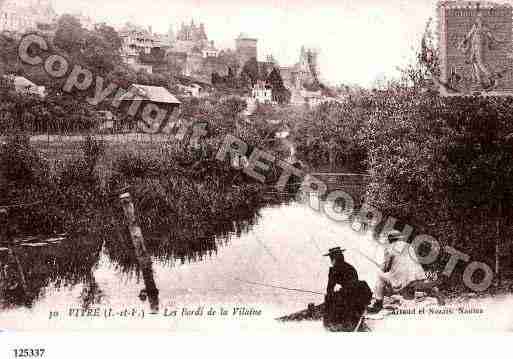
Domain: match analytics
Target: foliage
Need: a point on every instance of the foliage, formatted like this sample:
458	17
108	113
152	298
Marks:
70	34
231	108
98	49
280	93
20	164
441	163
251	70
25	179
57	113
231	60
331	135
9	60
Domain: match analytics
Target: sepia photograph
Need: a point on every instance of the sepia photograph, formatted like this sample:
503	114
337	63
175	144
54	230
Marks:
279	167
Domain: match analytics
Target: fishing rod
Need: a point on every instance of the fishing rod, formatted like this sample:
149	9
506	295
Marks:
378	266
278	287
22	205
383	275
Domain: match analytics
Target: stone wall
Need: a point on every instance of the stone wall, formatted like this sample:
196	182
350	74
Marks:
196	66
246	49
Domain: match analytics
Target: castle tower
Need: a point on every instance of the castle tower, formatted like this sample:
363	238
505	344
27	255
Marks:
312	57
270	59
202	32
182	34
302	56
171	34
246	48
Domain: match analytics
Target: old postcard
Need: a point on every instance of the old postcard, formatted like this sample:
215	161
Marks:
271	166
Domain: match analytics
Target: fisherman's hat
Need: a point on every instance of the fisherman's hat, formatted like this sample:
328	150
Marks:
335	252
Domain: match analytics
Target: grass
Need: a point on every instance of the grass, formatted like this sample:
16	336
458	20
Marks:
76	181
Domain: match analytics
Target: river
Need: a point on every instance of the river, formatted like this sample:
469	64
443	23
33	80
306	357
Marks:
283	247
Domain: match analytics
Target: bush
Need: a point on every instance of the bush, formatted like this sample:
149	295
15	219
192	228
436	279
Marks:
331	135
21	164
443	165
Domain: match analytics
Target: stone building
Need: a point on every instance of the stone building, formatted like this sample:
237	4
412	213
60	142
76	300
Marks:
191	37
214	64
286	75
196	56
304	73
262	92
136	41
210	50
246	48
302	79
194	63
266	67
25	15
192	33
194	53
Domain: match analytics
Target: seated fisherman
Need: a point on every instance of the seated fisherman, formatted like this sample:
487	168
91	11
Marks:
345	306
401	273
341	272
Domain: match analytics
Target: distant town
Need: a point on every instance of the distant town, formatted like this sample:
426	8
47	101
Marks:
188	51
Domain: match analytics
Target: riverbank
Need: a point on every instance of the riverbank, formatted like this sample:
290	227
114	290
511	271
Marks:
173	186
283	246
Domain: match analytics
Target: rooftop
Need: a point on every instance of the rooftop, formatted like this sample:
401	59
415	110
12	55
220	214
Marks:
150	93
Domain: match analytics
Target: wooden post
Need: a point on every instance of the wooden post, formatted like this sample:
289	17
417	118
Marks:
497	244
4	233
141	253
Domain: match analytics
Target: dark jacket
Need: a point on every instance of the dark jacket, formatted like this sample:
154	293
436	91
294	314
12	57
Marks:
343	274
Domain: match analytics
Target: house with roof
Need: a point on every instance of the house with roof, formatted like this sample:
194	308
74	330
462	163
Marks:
193	90
137	40
210	50
262	92
24	86
145	95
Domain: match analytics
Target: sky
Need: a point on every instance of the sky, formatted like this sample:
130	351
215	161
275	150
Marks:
359	41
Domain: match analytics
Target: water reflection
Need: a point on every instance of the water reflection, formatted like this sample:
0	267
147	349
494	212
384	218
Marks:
72	261
91	293
28	270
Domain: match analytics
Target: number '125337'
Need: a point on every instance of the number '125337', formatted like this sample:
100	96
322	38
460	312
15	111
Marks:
29	353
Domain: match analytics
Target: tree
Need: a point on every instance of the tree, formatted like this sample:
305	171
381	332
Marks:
70	35
230	110
230	59
442	165
9	54
331	136
122	75
110	35
216	78
280	93
251	70
102	50
98	49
